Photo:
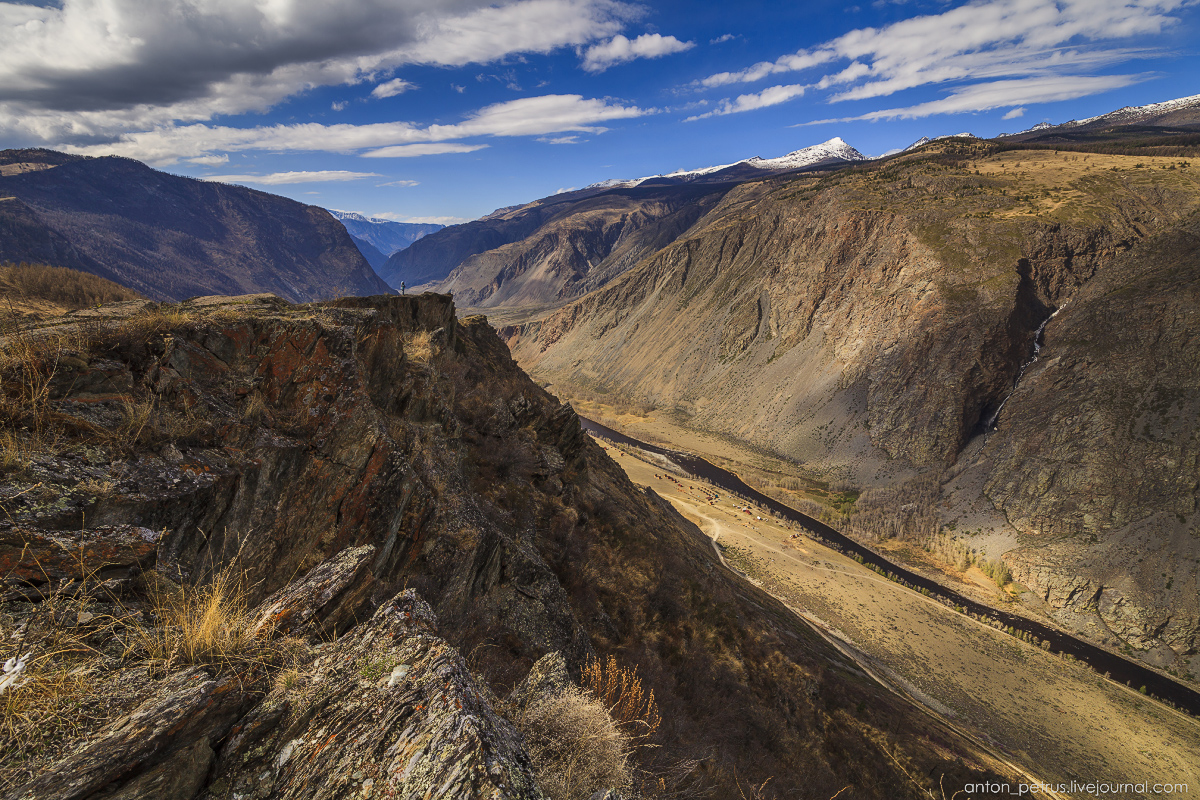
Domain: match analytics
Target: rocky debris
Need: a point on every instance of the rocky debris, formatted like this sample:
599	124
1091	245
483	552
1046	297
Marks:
389	710
326	601
190	708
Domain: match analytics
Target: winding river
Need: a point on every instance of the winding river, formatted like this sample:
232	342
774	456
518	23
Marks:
1118	668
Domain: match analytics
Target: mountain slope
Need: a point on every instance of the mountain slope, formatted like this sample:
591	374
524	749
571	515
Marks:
170	237
376	259
870	324
384	235
1182	112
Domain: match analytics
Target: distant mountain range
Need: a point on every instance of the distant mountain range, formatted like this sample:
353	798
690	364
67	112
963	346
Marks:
171	237
1182	112
379	238
560	247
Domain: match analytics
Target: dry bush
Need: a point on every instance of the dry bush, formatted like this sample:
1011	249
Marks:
575	746
620	690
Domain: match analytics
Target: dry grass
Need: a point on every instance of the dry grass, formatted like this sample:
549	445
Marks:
254	407
418	347
65	288
575	746
208	624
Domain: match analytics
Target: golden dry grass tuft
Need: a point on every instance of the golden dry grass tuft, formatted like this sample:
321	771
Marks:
207	624
418	346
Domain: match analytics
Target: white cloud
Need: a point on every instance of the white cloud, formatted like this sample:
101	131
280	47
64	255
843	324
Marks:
415	150
85	70
210	161
620	49
565	189
771	96
572	139
392	88
1014	113
998	94
279	178
339	105
528	116
725	37
401	183
979	41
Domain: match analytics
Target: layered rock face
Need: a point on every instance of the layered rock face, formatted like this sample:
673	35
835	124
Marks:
334	455
169	237
874	323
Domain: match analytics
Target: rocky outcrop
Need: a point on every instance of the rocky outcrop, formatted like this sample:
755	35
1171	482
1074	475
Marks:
330	456
388	709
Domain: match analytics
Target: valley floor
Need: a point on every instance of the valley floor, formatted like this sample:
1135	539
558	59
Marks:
1056	720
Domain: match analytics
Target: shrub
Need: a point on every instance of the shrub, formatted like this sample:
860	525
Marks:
575	746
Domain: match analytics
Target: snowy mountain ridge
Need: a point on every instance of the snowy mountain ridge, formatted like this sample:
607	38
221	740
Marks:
1127	114
833	148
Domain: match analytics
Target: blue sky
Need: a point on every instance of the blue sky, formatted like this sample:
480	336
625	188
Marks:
444	111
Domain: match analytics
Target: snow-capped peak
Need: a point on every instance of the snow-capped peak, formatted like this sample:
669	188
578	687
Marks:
834	148
354	215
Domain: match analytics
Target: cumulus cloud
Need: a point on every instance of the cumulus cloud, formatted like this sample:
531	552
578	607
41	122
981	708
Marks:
976	42
280	178
620	49
80	70
1014	113
528	116
392	88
